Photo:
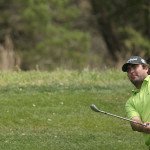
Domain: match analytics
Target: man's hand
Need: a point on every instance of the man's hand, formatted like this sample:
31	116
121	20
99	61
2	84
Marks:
147	127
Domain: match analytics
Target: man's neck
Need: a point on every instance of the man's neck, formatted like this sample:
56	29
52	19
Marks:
138	86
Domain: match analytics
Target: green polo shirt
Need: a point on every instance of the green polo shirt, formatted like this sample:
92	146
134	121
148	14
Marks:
139	105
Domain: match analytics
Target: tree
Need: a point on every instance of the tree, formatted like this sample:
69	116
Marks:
56	33
43	33
124	26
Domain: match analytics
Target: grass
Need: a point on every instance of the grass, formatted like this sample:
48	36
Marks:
50	111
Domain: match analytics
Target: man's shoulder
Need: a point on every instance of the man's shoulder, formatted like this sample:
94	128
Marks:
147	82
147	78
133	96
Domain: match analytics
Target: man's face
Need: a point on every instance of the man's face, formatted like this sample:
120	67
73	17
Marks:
136	73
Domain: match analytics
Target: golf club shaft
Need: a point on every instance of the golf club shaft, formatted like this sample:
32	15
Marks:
94	108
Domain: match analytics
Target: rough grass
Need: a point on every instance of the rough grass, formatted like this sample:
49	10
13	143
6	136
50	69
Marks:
50	111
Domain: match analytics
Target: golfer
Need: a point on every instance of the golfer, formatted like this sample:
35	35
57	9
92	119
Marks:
138	105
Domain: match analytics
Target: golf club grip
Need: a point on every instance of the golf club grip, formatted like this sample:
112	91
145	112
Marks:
94	108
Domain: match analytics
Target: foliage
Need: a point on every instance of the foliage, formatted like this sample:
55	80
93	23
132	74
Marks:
54	33
134	39
132	18
44	35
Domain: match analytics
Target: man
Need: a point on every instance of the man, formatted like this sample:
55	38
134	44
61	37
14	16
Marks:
138	105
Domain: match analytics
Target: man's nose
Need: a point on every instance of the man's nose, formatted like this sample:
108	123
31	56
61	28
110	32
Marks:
132	69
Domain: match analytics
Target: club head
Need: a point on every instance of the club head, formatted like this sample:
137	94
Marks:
94	108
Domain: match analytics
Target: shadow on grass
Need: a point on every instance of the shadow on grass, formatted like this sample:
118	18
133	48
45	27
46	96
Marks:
60	88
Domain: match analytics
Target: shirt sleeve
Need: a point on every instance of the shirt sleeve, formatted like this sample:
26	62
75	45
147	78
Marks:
130	109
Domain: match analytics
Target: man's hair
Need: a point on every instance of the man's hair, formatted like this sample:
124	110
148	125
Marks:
148	62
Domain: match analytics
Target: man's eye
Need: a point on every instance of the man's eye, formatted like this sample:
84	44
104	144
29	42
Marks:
134	66
128	69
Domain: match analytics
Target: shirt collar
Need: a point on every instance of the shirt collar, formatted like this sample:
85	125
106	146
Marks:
135	91
147	78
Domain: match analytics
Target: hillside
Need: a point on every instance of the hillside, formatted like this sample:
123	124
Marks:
50	111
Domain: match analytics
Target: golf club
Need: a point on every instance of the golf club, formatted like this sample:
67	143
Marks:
94	108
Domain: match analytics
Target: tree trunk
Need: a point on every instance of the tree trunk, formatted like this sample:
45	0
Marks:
108	30
8	59
147	18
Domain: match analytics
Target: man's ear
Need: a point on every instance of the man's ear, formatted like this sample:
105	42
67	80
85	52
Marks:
148	61
148	72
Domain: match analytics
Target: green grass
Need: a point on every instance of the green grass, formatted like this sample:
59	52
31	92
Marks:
50	111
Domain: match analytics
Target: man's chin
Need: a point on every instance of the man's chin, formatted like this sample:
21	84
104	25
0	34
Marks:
135	81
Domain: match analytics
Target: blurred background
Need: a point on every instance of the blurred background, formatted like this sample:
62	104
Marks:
72	34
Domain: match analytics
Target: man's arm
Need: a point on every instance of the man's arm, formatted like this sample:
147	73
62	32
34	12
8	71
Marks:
140	128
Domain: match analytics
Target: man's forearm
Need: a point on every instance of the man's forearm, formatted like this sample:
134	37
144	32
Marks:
140	128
